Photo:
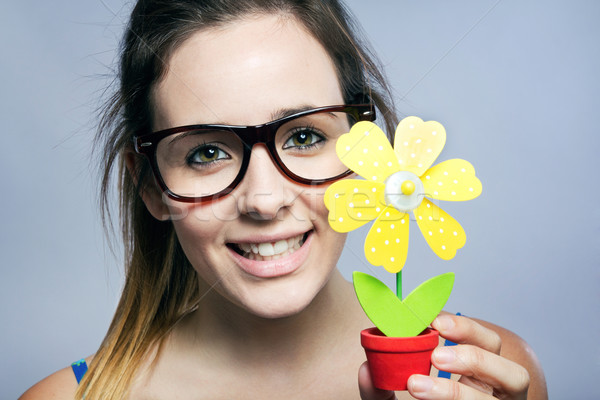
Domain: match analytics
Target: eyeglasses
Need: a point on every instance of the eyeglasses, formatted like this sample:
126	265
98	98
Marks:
198	163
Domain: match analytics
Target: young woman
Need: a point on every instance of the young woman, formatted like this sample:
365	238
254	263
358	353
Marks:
224	132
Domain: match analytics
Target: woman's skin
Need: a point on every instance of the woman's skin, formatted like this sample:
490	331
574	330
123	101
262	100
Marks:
292	331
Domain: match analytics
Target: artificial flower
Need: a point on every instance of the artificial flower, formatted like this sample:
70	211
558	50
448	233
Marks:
398	181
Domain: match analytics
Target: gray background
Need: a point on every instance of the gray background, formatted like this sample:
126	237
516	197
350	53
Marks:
515	83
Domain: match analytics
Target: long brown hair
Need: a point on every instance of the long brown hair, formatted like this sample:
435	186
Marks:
160	285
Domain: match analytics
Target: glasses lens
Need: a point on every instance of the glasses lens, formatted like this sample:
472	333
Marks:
199	163
205	162
306	145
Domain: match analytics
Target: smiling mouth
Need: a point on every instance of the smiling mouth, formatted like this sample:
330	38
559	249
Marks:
268	251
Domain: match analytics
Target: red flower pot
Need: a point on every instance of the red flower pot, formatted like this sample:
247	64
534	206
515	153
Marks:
393	359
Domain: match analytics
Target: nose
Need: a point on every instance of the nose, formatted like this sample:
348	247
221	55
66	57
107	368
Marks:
264	191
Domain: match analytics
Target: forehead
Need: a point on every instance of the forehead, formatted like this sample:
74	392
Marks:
243	73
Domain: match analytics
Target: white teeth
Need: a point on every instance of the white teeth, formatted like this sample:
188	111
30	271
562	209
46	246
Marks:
266	249
280	247
246	247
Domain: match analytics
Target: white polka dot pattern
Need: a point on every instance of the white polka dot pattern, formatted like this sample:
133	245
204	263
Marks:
418	144
442	232
387	241
367	151
452	180
352	203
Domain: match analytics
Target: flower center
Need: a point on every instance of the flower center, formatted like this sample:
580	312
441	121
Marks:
404	191
407	187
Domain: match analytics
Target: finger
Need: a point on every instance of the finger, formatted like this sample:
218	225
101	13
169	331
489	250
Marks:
466	331
503	375
367	390
425	387
476	384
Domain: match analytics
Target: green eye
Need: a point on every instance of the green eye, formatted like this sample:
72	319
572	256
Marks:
303	139
207	154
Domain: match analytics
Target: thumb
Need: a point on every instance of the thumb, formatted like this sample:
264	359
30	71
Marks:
367	390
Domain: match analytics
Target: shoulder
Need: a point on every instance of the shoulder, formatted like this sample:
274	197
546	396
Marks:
58	386
518	350
61	385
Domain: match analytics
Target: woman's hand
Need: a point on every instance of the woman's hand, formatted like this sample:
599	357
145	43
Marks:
367	390
485	373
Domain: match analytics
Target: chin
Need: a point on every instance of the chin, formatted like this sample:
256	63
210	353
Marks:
284	302
278	313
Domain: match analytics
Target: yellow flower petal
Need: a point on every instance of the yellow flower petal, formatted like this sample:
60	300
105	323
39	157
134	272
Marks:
442	232
417	144
452	180
367	151
352	203
387	241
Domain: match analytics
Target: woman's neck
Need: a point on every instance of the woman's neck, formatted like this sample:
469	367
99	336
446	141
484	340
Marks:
225	350
224	327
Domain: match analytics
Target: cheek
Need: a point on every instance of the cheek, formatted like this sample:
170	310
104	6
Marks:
319	215
199	228
312	200
199	237
337	242
215	212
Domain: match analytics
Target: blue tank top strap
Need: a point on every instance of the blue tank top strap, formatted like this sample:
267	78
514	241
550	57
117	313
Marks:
446	374
79	369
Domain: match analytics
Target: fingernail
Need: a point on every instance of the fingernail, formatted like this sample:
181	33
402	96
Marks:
444	355
443	323
420	384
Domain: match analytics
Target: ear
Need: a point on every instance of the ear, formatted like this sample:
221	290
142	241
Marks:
149	191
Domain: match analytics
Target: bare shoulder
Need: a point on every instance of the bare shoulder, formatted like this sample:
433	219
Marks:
61	385
518	350
58	386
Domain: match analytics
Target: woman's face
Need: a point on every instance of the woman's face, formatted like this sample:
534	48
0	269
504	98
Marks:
247	73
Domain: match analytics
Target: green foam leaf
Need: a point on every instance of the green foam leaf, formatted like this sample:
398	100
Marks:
397	318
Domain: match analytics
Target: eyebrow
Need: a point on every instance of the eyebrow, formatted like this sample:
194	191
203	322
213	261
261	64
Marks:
278	114
286	112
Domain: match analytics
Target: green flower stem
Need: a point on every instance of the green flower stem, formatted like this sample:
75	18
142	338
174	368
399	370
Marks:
399	284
